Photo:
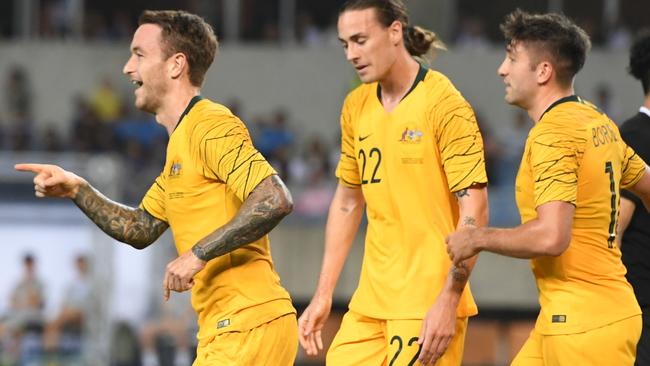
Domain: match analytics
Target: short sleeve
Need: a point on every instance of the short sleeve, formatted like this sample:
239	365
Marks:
226	153
554	159
347	170
459	142
633	168
154	200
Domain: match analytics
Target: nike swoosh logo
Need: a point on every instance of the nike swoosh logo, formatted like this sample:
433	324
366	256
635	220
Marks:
361	138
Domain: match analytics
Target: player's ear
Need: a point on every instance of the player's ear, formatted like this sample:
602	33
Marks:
544	72
177	65
395	30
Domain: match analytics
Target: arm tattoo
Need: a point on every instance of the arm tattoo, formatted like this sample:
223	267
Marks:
462	193
459	273
129	225
469	221
267	204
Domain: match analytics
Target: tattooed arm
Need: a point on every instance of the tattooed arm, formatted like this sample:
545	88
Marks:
129	225
438	327
262	210
267	204
473	212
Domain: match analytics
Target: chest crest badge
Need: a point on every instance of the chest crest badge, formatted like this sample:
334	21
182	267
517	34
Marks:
411	136
175	169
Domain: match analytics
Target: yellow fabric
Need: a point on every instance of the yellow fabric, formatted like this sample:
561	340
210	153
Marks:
367	341
612	344
274	344
407	162
567	158
107	104
211	168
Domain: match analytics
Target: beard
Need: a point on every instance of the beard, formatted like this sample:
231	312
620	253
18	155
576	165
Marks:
151	99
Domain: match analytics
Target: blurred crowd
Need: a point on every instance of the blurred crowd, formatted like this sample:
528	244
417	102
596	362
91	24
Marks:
105	121
313	23
28	337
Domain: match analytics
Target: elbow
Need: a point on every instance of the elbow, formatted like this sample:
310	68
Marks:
285	204
140	244
555	245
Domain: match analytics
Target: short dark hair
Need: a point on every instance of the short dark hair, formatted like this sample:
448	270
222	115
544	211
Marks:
188	34
28	259
565	42
640	59
417	40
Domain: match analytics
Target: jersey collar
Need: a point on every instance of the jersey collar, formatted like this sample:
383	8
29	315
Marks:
193	101
422	73
570	98
645	110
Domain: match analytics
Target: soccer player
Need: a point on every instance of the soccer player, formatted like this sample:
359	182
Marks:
411	152
634	220
216	192
567	191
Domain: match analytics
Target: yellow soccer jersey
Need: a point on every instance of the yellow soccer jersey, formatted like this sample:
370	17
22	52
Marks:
407	163
575	154
211	168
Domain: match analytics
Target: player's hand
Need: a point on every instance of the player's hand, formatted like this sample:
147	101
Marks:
461	244
180	273
311	322
438	329
52	181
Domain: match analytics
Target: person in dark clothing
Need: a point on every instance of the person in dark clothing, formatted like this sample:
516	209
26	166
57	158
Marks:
634	219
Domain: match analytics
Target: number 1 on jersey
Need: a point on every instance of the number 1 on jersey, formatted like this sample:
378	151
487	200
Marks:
614	214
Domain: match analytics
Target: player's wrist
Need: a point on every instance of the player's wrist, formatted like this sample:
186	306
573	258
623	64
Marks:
79	186
450	297
323	295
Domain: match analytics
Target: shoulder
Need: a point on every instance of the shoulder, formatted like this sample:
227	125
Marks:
562	126
360	95
571	118
210	115
438	85
207	109
441	94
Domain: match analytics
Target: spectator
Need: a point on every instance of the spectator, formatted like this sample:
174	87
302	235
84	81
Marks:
472	34
19	99
25	310
51	141
27	298
106	102
64	333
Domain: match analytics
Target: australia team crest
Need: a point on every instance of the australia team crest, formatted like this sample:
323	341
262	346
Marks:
411	136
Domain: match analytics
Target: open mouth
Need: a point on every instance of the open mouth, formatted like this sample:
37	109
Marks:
136	83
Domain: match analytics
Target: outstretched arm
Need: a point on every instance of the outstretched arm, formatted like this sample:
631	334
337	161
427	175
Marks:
133	226
547	235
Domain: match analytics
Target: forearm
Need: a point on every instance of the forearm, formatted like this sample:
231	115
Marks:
126	224
266	206
473	212
342	226
525	241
